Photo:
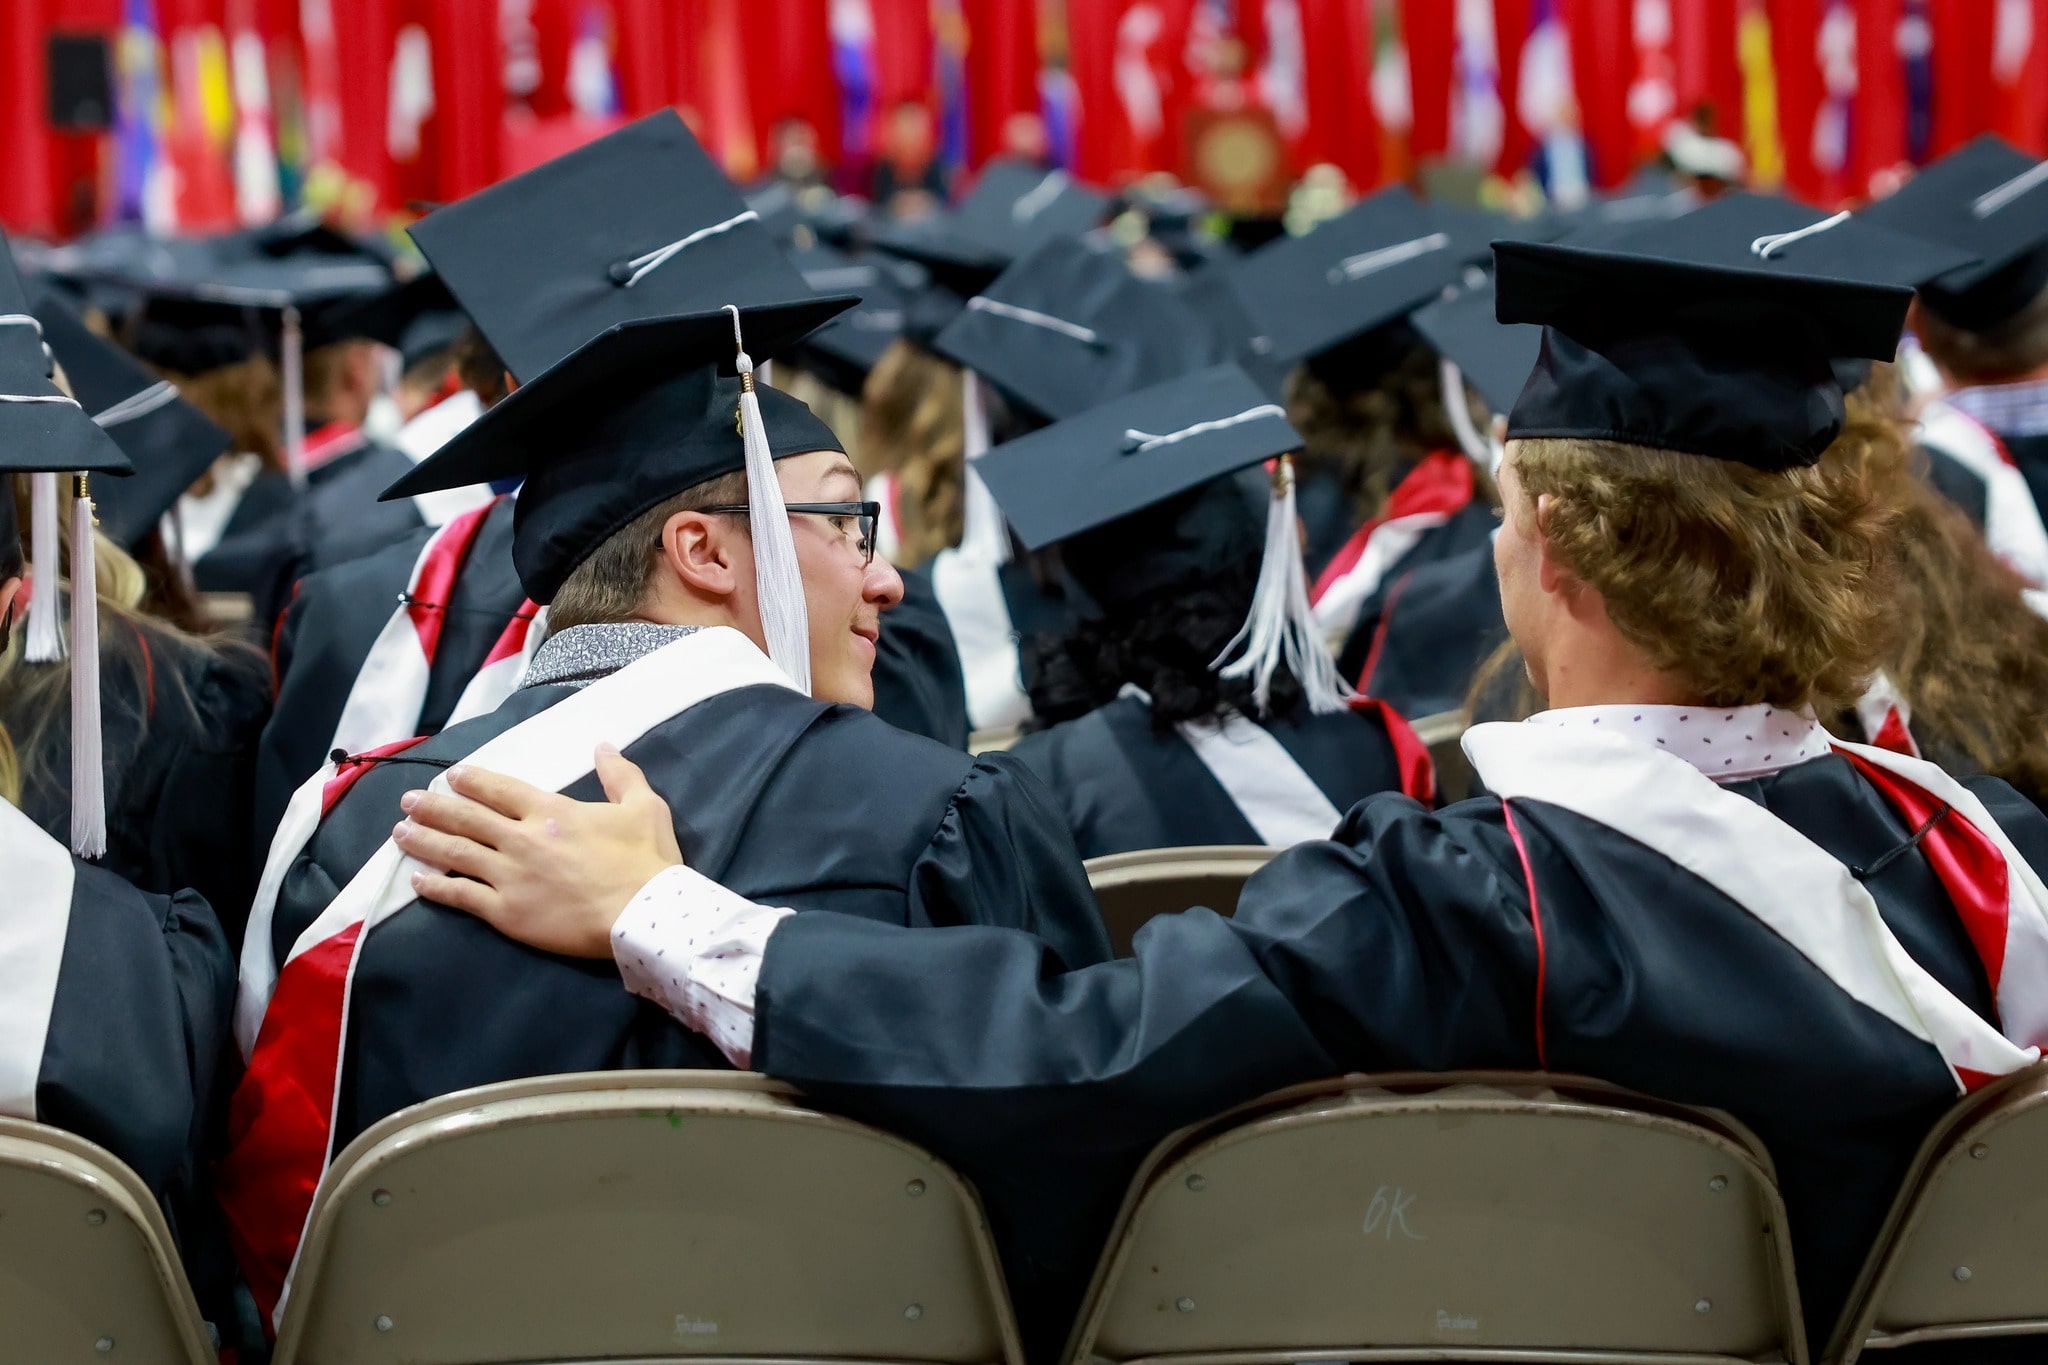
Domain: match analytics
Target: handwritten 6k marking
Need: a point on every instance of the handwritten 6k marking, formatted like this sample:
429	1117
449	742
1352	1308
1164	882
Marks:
1390	1211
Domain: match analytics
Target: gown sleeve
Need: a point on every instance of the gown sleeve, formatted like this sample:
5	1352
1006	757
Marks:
1405	942
138	1076
1002	855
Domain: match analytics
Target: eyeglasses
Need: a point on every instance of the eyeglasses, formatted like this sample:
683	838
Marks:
865	515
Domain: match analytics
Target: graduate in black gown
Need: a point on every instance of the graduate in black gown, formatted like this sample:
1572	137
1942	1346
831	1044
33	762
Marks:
1671	886
1985	326
670	551
179	713
117	1000
1168	733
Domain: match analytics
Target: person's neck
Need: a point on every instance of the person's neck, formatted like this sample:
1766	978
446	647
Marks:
1613	677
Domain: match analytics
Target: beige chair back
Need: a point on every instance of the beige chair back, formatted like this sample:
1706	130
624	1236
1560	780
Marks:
1441	732
1132	888
1490	1216
644	1216
1965	1252
88	1272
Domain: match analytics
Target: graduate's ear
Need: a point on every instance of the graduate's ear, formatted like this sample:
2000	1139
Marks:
703	551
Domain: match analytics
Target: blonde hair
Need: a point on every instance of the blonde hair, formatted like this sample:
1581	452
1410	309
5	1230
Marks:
912	422
1752	585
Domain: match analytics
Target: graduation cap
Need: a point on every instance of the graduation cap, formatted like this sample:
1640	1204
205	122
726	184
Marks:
1015	207
1713	334
45	432
1374	264
844	350
615	430
1067	327
1494	357
1141	493
954	262
416	318
169	442
638	224
1989	200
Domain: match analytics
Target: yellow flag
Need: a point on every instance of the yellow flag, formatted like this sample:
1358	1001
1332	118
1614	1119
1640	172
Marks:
1759	97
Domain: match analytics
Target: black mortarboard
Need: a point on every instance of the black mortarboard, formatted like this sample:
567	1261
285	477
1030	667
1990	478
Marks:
639	224
1133	451
415	318
605	435
41	429
1712	334
1068	327
1495	357
169	442
1989	200
959	265
844	350
1374	264
1015	207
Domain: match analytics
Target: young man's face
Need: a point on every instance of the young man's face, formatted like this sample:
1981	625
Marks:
846	595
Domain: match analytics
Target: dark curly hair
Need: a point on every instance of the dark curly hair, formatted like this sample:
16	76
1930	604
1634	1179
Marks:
1163	642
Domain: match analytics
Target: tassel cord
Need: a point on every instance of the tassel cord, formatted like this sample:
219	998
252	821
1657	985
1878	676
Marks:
88	774
785	613
45	640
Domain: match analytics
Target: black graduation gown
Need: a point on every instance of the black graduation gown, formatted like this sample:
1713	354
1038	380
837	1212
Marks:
1124	786
135	1033
1470	528
179	727
1406	942
1957	482
918	683
2030	453
344	520
775	794
327	633
1429	632
1327	514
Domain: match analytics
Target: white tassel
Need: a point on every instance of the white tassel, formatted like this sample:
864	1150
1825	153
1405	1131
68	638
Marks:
45	643
785	615
1281	628
88	776
1479	449
292	356
983	532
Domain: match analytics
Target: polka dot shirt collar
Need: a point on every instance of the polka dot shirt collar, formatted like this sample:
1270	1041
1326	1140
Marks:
1727	745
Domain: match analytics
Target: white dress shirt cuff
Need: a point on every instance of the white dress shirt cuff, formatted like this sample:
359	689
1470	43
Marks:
694	948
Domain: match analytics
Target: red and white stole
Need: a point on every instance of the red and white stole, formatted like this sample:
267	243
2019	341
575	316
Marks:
429	430
282	1118
2013	525
1804	894
390	688
40	877
1887	717
1433	492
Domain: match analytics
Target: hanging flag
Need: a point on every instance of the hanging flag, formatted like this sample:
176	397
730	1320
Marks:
2019	74
412	93
1393	98
1761	137
1915	45
469	88
1603	48
1653	93
853	66
1547	105
1000	70
258	194
949	51
1342	129
321	86
593	87
1963	40
1706	72
1835	54
1477	118
145	191
1429	30
1797	56
1281	81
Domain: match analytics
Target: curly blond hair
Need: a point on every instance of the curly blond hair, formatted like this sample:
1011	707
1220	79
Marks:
1753	585
912	423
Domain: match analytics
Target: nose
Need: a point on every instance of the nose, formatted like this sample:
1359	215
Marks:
883	586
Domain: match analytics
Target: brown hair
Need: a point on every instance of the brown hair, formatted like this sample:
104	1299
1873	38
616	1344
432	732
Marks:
1969	655
912	422
1372	436
1752	585
247	398
611	584
2012	350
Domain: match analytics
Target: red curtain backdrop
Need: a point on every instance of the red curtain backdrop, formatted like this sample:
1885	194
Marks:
1511	30
1430	29
1877	132
1342	126
469	96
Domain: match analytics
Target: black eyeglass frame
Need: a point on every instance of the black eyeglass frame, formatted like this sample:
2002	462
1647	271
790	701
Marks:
870	514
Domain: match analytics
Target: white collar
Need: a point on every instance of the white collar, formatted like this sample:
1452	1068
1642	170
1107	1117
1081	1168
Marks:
1727	745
